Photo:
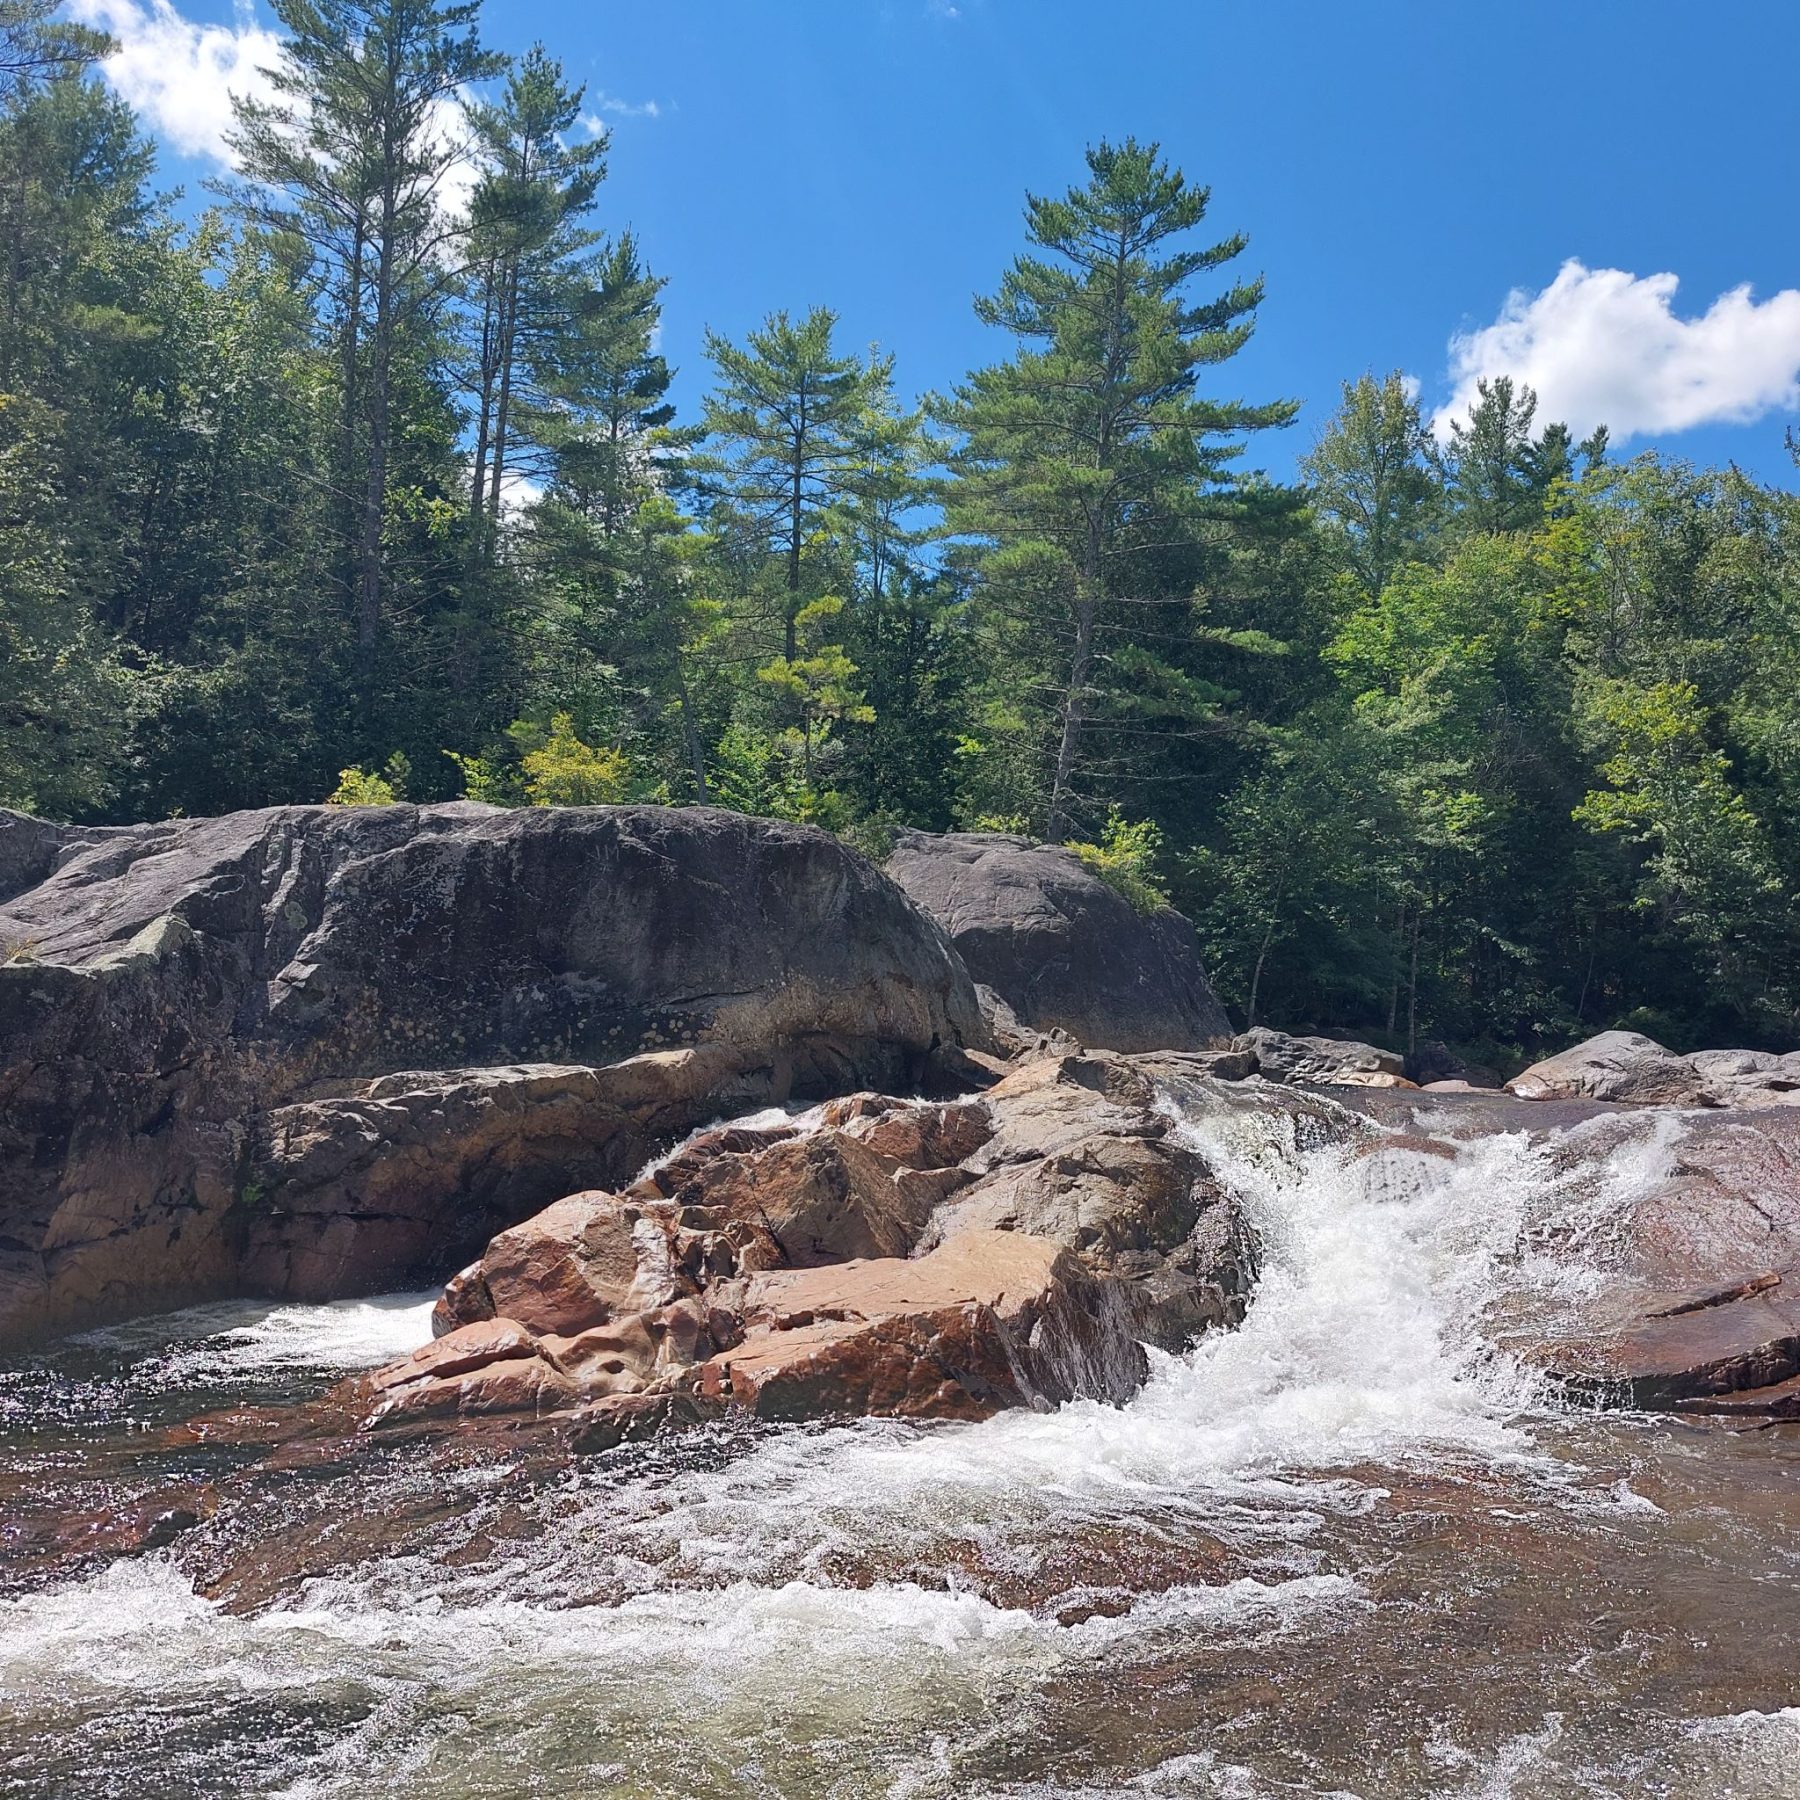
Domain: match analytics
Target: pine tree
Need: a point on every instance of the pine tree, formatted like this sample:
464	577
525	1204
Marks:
527	246
36	46
1084	458
1489	461
612	386
356	155
787	425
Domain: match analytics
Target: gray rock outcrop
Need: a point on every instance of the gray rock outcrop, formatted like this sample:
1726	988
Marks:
1634	1070
1064	951
309	1049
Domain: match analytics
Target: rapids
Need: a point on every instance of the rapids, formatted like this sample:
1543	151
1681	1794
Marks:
1353	1548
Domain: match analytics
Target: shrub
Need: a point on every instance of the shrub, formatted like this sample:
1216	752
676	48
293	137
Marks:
563	771
360	787
1125	859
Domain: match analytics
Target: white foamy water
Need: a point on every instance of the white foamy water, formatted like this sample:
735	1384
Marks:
804	1618
238	1340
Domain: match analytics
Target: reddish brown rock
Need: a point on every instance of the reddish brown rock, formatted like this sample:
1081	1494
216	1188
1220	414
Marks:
902	1257
1080	1156
1695	1292
991	1319
494	1366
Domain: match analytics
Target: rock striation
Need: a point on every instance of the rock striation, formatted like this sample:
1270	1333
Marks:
311	1050
903	1258
1059	948
1321	1061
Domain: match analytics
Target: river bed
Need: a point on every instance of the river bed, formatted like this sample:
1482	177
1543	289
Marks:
1354	1548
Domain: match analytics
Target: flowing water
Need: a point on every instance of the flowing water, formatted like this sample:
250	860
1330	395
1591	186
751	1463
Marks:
1354	1548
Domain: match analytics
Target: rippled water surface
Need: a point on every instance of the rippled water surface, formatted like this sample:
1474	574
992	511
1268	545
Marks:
1352	1548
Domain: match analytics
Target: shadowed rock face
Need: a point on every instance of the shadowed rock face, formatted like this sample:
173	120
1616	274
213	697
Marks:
1058	946
249	1053
903	1258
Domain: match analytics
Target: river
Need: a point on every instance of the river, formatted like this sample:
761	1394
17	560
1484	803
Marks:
1354	1548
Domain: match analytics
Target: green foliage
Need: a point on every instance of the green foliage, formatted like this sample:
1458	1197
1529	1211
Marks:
360	787
563	771
489	779
1082	468
1372	476
1125	859
1495	739
1709	866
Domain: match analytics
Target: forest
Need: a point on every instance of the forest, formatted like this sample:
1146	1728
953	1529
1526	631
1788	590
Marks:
365	484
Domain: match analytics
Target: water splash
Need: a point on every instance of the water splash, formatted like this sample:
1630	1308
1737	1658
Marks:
871	1608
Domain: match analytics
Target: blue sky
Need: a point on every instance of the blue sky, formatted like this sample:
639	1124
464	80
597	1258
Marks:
1401	168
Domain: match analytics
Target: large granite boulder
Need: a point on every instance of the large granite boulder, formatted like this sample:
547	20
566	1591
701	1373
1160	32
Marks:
1627	1067
1321	1061
1615	1065
310	1049
906	1258
1058	946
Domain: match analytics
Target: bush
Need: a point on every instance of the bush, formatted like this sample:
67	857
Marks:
359	787
488	779
1125	859
563	771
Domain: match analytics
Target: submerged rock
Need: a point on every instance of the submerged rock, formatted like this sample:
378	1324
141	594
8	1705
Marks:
312	1050
1061	949
905	1258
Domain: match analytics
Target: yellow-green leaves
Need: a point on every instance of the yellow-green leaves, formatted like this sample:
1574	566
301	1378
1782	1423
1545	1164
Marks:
1125	859
563	771
363	787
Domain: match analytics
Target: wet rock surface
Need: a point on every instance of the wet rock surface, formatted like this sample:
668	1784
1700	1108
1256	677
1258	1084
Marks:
897	1258
1337	1548
1687	1294
281	1051
1061	949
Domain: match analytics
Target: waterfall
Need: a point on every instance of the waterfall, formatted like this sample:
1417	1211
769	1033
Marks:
881	1608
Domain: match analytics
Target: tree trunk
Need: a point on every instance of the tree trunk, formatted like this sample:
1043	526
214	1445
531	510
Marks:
508	348
1262	954
1412	992
1058	824
690	737
484	411
351	349
374	507
1394	987
790	638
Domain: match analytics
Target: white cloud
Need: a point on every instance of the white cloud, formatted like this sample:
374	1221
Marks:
943	9
179	75
1604	347
618	109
